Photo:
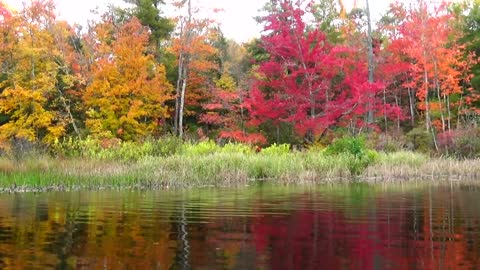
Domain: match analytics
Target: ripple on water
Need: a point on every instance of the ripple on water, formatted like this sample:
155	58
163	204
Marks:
334	227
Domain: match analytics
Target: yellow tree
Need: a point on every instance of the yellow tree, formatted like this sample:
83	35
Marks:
127	95
28	83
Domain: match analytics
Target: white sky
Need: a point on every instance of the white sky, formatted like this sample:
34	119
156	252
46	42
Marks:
236	20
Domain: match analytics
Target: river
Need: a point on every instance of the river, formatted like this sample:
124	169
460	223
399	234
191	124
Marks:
344	226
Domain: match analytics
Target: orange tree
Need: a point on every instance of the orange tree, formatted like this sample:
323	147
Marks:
127	95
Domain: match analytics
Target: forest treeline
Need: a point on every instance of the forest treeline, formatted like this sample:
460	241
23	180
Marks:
318	72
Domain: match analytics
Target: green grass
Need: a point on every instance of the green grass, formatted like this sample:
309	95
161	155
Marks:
229	167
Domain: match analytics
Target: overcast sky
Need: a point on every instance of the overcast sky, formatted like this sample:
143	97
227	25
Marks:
236	20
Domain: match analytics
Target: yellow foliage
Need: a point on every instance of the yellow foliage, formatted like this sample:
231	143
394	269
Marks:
128	93
226	82
30	84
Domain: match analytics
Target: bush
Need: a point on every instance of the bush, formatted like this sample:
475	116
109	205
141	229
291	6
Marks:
234	148
420	140
116	149
20	148
276	149
460	143
390	144
347	145
355	152
201	148
165	146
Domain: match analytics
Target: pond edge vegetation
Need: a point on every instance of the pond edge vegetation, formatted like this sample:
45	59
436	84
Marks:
170	163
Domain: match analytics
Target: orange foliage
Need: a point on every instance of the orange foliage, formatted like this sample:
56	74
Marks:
31	57
129	89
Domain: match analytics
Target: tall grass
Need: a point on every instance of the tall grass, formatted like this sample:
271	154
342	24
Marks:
171	163
220	168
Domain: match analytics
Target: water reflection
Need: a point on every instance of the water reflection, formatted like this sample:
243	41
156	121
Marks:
327	227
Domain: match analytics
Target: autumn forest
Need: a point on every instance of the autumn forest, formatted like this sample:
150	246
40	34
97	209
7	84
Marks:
318	72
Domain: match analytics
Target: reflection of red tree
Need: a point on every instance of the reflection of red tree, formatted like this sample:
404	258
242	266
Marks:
331	240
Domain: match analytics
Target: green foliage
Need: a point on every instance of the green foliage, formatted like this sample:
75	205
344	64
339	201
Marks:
412	159
166	146
470	11
149	13
237	148
326	14
357	156
218	169
201	148
468	146
114	149
276	150
420	140
347	145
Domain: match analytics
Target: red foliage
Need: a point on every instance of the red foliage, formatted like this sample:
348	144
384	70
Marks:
4	11
307	81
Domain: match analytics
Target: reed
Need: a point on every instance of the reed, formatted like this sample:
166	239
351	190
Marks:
223	168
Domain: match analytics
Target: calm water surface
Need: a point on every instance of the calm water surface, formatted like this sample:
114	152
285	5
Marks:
326	227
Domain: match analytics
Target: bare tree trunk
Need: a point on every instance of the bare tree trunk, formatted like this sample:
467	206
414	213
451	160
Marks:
177	93
449	112
427	105
437	87
398	116
184	60
62	97
70	115
370	117
182	103
412	106
427	112
460	105
385	109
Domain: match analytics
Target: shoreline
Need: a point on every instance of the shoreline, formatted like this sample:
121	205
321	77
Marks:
218	170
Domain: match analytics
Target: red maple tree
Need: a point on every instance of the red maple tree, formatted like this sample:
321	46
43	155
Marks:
306	81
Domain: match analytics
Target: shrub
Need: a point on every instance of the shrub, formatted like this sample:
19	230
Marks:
201	148
19	148
347	145
165	146
116	149
390	144
357	156
419	139
460	143
276	149
237	148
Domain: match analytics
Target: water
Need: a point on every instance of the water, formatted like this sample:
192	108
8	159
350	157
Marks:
326	227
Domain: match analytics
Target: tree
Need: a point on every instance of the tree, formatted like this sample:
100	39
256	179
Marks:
224	113
438	66
149	14
394	65
327	14
195	56
306	81
29	77
127	96
467	19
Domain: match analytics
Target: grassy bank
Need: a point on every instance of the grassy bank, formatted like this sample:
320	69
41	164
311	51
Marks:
225	168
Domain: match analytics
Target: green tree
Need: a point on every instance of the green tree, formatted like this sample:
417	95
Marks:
469	16
150	14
